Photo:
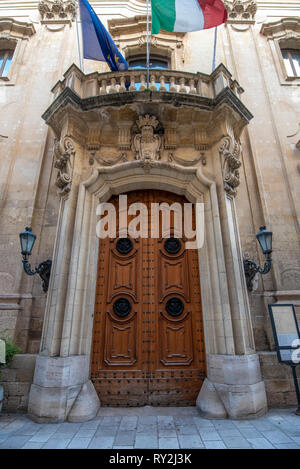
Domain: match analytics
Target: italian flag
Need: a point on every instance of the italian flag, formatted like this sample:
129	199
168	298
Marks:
186	15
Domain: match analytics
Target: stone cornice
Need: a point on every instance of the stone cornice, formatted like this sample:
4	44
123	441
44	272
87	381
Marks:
68	98
281	28
132	25
14	28
136	24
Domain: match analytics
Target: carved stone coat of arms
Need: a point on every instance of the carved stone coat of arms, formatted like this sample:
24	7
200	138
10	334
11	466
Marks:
147	144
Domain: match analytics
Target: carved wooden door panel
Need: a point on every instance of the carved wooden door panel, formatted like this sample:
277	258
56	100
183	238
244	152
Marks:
148	341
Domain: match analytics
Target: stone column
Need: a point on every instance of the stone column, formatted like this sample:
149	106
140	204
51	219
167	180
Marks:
234	386
61	389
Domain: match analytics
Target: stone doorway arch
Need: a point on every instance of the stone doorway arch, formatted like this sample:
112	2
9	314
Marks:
61	388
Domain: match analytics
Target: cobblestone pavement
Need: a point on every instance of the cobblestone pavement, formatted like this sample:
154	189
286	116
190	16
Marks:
153	427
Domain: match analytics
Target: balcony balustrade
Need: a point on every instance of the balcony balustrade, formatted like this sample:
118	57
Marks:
97	84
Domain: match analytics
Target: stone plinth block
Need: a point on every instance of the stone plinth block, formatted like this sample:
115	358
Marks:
53	372
209	403
86	405
58	383
51	405
233	389
243	401
233	369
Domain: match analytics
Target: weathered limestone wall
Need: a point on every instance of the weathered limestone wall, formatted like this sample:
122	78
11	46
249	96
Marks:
16	381
28	195
269	191
278	380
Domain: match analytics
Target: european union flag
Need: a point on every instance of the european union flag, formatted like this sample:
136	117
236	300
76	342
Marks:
97	42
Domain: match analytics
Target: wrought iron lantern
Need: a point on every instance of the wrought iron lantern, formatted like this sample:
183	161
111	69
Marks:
27	240
264	237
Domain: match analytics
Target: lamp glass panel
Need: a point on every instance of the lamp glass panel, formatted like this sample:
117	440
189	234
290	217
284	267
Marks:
264	238
27	240
269	241
23	241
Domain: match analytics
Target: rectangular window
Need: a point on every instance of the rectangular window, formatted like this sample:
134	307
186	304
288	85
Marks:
291	58
5	62
139	62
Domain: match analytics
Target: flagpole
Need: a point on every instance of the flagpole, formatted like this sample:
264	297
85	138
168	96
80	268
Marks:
78	40
215	49
148	46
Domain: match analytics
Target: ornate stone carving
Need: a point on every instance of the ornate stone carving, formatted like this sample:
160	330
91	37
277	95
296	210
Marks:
171	137
53	11
93	140
147	145
63	161
200	139
290	279
147	165
122	158
173	158
230	165
124	137
241	11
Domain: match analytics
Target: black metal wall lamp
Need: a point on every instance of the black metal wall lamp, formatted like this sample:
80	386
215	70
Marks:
264	238
27	240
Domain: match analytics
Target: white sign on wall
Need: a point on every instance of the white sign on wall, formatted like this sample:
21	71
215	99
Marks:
2	351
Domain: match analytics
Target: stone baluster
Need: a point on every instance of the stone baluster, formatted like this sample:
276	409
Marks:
152	83
103	89
192	86
113	86
162	84
199	87
132	86
143	85
122	88
182	88
173	86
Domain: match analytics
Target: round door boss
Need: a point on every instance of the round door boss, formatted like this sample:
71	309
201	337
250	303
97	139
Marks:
174	306
122	307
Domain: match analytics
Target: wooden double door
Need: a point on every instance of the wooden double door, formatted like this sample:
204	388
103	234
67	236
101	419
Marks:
148	340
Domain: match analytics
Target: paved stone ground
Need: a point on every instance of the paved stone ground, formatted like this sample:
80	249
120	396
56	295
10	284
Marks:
153	427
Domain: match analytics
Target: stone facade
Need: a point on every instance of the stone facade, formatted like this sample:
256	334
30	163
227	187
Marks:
17	380
229	138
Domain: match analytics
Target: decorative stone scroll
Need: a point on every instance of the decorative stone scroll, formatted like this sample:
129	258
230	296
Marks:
241	11
63	161
147	145
230	165
56	11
